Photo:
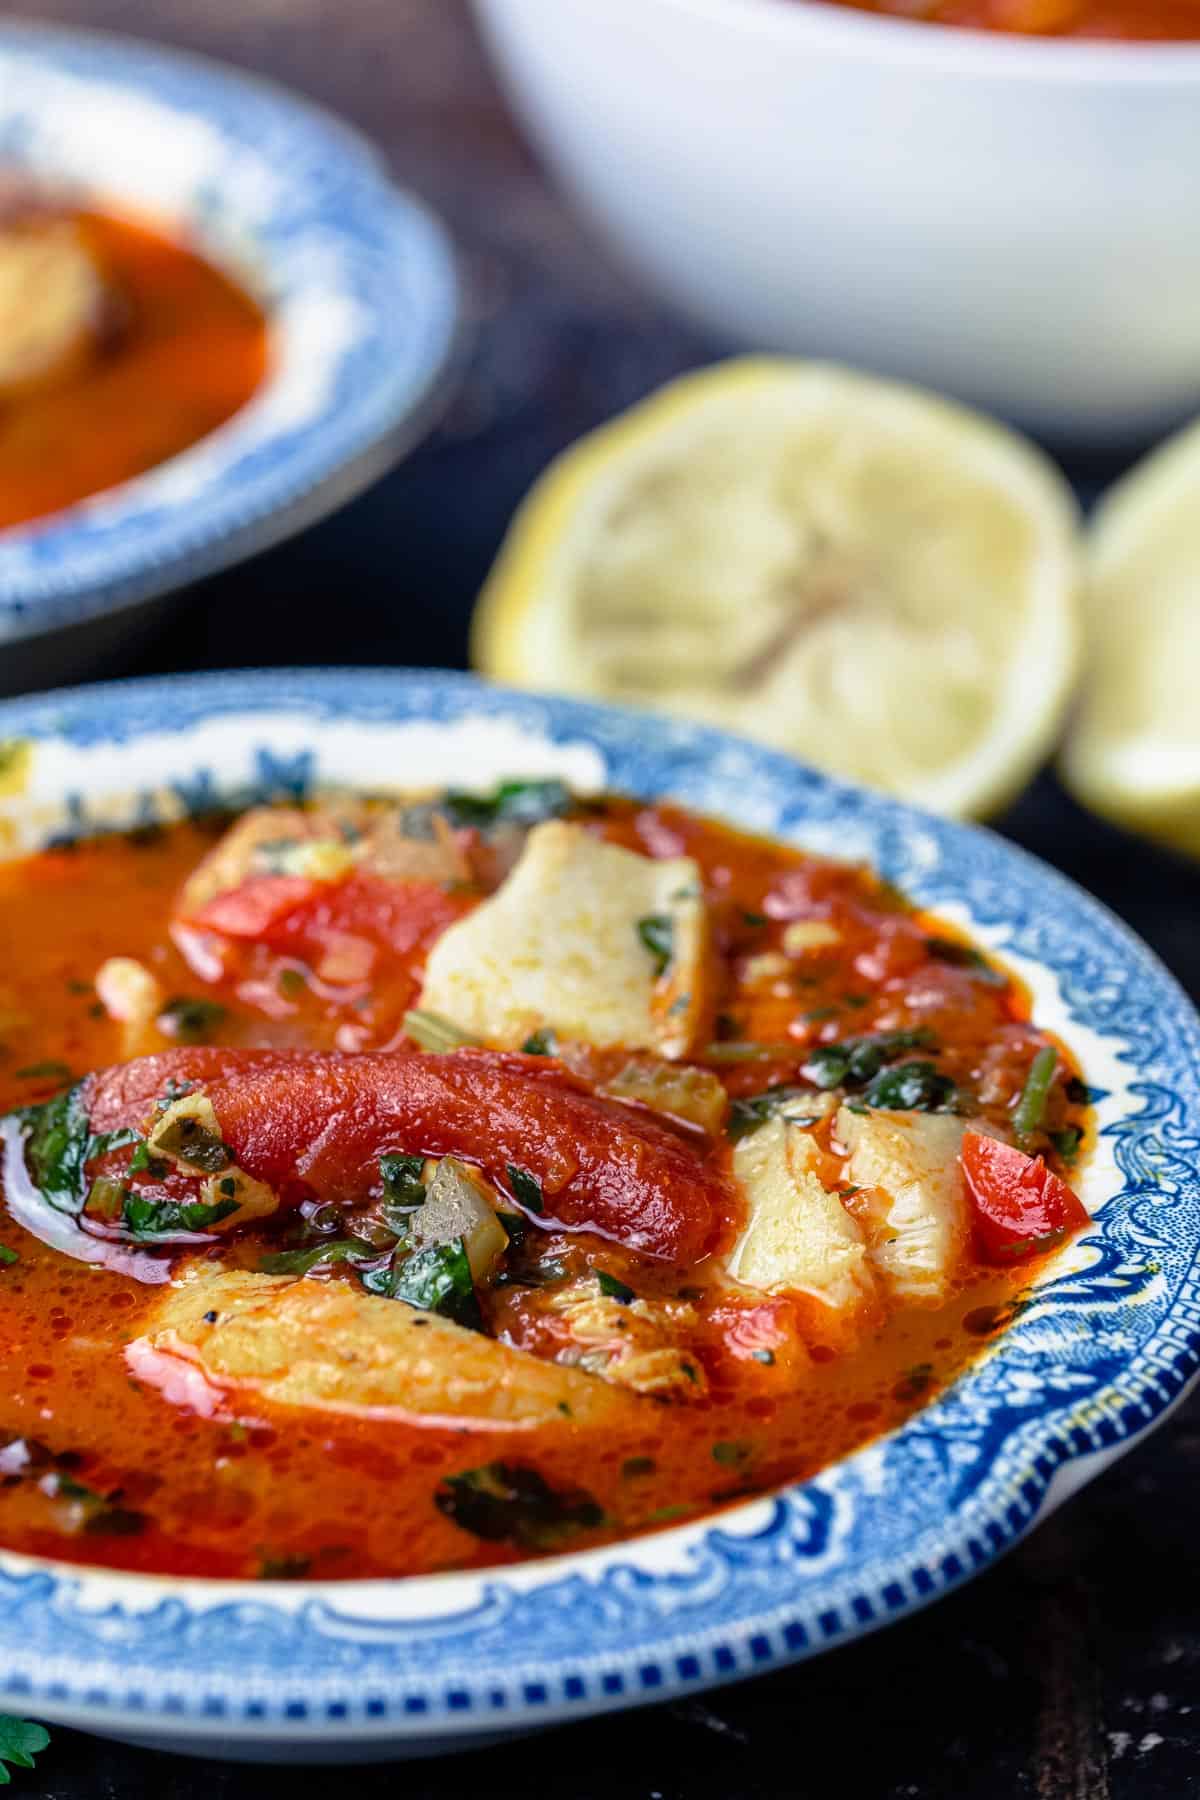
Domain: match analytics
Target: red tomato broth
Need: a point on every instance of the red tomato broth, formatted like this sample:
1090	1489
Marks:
186	350
267	1489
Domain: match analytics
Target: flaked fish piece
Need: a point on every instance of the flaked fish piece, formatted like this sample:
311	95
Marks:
218	1340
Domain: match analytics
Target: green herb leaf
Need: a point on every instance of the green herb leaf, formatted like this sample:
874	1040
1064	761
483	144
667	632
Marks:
855	1061
106	1199
912	1087
526	1189
540	1043
749	1052
914	1382
20	1742
142	1162
437	1279
272	853
165	1218
44	1071
403	1189
516	1225
187	1139
114	1521
56	1142
191	1020
508	1502
429	1031
103	1141
511	802
8	1257
299	1262
174	1090
69	1489
657	933
634	1466
612	1289
100	1515
1067	1142
730	1454
293	1567
533	1275
59	1146
964	956
1034	1246
1031	1106
748	1113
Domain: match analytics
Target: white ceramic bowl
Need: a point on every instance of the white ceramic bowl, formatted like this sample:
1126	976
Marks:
1013	220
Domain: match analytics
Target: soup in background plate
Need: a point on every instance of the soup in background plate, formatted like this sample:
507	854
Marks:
1176	21
119	347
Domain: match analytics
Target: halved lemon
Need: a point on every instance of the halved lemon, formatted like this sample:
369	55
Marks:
1133	752
875	579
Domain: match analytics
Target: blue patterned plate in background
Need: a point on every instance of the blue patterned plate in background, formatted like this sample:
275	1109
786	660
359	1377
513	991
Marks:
1109	1343
357	279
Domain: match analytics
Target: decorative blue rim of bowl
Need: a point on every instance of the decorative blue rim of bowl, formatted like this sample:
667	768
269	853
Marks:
1106	1345
358	280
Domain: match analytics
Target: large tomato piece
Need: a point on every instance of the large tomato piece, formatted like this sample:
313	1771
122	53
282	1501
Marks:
1021	1207
314	1125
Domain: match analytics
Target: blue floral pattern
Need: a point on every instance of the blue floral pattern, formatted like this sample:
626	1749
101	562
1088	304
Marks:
359	281
1102	1349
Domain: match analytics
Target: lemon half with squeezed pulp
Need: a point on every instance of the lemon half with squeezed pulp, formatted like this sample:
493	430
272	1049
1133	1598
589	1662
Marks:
877	580
1133	752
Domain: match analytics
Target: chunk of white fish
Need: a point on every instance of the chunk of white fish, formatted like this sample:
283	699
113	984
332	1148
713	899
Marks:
913	1205
52	301
562	945
216	1339
798	1236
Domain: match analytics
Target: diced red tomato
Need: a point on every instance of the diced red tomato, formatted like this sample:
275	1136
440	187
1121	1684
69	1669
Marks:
897	949
807	890
299	917
314	1125
257	908
1021	1207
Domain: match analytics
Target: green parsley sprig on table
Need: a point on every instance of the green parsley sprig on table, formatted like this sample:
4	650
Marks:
20	1742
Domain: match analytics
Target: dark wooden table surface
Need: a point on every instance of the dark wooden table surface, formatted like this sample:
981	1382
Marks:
1072	1670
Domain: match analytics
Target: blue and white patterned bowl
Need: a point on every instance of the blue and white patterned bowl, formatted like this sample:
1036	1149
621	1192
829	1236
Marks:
357	278
379	1668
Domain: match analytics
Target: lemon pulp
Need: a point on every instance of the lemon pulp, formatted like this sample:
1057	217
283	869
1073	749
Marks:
874	579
